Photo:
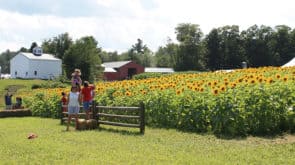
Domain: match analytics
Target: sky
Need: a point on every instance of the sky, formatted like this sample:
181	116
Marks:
117	24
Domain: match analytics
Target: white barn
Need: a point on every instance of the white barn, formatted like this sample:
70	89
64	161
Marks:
35	65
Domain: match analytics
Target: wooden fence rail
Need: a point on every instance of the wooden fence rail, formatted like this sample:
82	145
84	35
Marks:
103	113
107	114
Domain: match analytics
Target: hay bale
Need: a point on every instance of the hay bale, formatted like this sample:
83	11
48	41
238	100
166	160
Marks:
15	113
91	124
81	125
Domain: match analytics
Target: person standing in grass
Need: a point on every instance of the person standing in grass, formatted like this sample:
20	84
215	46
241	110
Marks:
64	101
92	86
74	100
87	98
8	101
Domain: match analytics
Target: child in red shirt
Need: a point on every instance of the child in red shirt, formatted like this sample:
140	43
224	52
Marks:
86	98
64	102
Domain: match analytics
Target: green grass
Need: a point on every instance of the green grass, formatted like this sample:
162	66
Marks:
115	145
14	85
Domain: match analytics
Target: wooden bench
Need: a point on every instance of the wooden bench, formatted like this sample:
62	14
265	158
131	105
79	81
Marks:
113	116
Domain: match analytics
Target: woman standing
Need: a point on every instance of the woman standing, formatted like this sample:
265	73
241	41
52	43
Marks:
74	100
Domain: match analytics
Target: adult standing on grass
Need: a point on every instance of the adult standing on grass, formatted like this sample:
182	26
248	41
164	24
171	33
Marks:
8	101
74	100
87	98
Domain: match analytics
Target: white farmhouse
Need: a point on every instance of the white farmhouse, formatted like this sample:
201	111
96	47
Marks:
35	65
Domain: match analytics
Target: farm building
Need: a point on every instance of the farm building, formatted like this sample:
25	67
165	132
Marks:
159	70
121	70
36	65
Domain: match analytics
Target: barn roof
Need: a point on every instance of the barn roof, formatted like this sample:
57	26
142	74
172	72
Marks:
116	64
44	56
290	63
109	70
159	70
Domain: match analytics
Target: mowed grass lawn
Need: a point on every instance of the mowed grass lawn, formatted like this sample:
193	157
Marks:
115	145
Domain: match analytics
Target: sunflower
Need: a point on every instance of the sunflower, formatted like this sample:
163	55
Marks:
196	88
128	93
201	89
270	80
143	92
233	85
178	92
215	91
252	81
222	88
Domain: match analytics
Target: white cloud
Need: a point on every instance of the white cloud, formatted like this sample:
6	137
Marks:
117	24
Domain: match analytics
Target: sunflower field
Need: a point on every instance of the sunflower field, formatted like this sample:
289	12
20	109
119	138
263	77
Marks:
254	101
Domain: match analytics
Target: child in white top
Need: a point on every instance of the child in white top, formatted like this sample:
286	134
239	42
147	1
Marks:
74	100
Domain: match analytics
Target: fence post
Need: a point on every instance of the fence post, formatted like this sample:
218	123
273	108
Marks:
61	114
142	118
97	115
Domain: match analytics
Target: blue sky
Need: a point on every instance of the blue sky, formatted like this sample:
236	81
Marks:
116	24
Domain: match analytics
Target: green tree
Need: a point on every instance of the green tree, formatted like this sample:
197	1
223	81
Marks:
284	44
292	36
258	43
57	45
139	47
140	54
103	55
213	46
113	56
5	58
232	53
33	45
189	55
166	56
23	49
83	54
108	56
124	56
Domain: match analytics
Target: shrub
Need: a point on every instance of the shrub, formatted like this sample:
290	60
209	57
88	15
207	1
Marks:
36	86
44	106
146	75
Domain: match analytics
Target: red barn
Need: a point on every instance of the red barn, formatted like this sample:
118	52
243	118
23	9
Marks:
121	70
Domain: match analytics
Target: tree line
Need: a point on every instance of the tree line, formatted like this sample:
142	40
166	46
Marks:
223	48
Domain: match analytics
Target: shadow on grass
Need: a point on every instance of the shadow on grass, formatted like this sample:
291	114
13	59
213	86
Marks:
279	135
263	136
120	131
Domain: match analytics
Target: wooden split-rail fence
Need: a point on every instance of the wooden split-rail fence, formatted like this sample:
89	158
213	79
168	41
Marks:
115	116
